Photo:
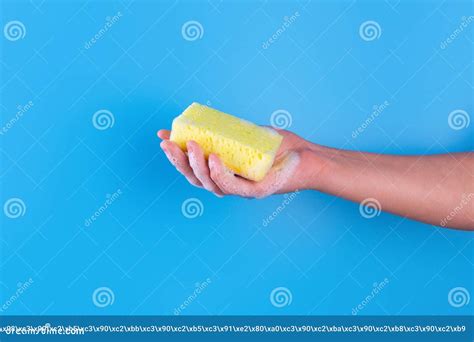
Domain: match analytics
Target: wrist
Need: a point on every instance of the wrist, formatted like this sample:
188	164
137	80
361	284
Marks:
313	168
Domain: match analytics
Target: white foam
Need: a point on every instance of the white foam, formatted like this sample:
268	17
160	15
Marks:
281	174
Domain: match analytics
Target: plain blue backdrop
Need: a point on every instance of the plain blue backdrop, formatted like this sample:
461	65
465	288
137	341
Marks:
144	71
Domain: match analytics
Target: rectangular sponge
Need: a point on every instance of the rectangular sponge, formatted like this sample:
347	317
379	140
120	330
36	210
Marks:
245	148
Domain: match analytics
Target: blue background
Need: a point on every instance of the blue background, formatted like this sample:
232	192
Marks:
143	71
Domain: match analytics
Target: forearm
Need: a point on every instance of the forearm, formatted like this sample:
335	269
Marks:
437	189
425	188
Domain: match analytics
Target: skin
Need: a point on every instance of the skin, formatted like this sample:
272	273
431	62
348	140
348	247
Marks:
435	189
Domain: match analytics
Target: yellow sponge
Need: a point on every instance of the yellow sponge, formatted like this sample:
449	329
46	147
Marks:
245	148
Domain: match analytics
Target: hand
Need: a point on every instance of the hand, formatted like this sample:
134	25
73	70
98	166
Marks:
287	174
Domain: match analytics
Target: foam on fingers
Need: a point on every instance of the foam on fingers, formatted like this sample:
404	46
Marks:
198	163
281	174
179	160
228	181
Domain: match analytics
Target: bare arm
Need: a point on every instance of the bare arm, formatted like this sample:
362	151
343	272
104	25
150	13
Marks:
437	189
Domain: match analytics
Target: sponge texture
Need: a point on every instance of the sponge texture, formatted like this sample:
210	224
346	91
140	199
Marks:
245	148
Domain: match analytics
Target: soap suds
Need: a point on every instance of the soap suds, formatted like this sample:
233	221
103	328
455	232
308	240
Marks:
275	180
281	174
201	174
195	166
172	159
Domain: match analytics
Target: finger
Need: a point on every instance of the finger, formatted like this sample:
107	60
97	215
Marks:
163	134
177	157
198	163
280	174
228	182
